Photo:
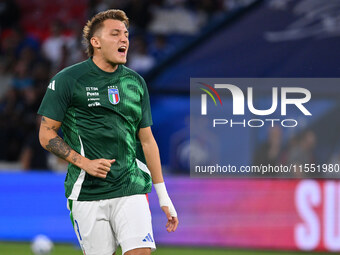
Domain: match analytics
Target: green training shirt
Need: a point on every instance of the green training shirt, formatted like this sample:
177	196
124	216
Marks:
101	114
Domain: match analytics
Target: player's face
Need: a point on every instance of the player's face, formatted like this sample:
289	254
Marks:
114	41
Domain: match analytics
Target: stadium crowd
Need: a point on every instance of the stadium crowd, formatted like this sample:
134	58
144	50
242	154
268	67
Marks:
39	38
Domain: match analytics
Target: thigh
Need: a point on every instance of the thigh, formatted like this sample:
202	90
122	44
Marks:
92	227
131	220
139	251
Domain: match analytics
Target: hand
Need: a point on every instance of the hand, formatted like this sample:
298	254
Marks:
172	223
98	167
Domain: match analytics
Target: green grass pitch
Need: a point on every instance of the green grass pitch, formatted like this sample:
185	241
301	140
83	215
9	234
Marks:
12	248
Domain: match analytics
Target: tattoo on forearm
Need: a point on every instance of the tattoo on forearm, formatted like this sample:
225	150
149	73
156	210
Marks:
59	147
75	158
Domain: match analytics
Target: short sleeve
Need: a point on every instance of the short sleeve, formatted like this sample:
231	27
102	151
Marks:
57	98
146	108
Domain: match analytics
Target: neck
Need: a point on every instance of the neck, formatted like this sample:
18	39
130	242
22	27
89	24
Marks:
104	65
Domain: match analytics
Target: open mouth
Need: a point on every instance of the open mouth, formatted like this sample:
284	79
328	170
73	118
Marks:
122	49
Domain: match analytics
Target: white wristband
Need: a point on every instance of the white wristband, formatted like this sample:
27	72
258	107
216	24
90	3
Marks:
164	199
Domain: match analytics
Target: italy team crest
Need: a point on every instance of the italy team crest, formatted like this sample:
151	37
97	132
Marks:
113	95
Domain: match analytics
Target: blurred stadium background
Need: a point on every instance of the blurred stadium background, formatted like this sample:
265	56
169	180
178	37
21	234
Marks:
171	41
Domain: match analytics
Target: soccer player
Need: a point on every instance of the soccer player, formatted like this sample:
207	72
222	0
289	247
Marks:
104	112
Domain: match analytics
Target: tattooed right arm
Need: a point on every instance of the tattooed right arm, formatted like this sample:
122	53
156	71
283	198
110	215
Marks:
49	139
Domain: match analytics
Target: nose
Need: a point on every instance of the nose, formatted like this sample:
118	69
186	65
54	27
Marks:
124	38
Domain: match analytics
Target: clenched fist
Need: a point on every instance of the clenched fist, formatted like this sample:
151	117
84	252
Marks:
98	167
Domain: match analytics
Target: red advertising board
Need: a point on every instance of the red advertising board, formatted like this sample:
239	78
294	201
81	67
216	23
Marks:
264	214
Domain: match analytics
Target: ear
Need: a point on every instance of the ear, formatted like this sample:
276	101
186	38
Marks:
95	42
